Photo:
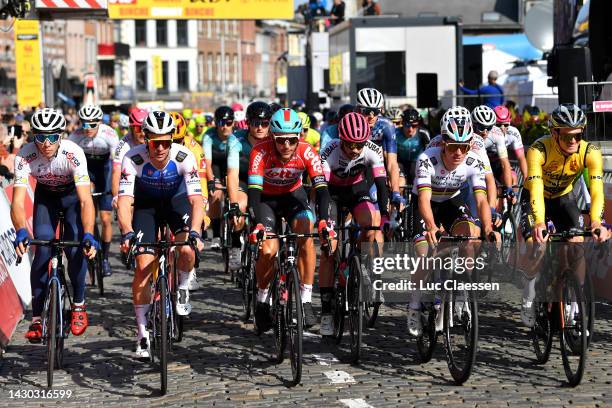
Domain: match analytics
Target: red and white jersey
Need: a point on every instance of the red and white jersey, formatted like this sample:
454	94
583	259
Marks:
60	173
477	146
269	173
340	170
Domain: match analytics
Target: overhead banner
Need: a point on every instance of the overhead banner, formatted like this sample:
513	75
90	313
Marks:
27	63
201	9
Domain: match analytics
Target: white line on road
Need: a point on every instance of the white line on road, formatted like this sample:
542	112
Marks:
356	403
339	377
325	359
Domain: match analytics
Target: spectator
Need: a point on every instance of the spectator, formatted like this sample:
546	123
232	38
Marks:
371	8
317	8
492	94
337	12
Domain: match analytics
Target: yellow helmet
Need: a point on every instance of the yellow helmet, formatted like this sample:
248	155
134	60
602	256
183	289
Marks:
181	126
305	119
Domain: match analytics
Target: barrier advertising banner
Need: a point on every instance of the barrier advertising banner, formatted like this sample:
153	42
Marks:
27	63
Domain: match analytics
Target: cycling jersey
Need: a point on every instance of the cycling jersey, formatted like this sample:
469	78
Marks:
267	172
98	147
514	141
431	174
552	174
122	148
340	170
477	146
330	133
140	179
313	138
198	154
239	152
495	144
215	150
383	134
61	173
409	148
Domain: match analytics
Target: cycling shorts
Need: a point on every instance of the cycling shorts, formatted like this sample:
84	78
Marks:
407	171
100	173
562	211
351	196
288	206
447	213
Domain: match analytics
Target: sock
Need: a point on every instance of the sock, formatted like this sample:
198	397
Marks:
215	225
529	292
183	279
141	319
306	292
415	301
262	294
105	248
327	295
79	303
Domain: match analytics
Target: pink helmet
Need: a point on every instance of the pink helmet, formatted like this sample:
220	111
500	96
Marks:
237	106
353	127
137	116
502	114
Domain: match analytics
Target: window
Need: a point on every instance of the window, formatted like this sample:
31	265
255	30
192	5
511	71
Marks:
162	32
235	69
140	33
164	88
181	33
227	68
218	78
117	31
183	75
209	67
218	28
141	76
209	29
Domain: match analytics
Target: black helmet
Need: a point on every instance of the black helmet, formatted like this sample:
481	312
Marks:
411	115
344	109
258	110
274	107
567	115
224	113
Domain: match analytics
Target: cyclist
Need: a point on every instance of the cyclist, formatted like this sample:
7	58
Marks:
98	141
275	190
395	116
134	138
124	126
440	174
160	179
370	104
331	131
309	135
62	183
412	140
215	151
345	163
200	128
239	147
513	139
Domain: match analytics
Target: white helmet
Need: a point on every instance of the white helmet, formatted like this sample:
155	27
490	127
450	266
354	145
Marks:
483	115
370	98
48	120
90	113
159	123
456	124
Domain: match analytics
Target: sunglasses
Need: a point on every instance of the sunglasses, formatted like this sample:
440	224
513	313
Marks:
505	125
258	123
154	143
411	125
567	138
136	129
90	125
226	122
200	126
353	145
284	140
453	147
42	138
369	111
480	128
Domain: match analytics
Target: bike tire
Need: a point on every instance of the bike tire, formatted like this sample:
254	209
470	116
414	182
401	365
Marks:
294	325
99	273
246	288
163	335
589	299
339	303
52	331
573	338
356	307
278	320
426	343
541	333
509	247
461	360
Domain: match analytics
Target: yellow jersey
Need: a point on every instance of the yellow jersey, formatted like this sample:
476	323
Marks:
197	150
552	174
313	138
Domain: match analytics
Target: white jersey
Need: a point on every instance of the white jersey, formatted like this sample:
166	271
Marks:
140	179
431	174
122	148
513	138
339	170
477	146
98	147
495	144
60	173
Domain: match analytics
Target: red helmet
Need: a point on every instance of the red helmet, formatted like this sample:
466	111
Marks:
502	114
353	127
137	116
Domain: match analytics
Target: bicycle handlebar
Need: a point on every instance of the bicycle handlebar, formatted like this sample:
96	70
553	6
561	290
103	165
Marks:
169	244
53	243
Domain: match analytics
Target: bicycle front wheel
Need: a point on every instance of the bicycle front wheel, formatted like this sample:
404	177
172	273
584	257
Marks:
356	307
541	333
426	343
164	305
573	333
460	333
99	272
52	324
509	237
295	324
246	287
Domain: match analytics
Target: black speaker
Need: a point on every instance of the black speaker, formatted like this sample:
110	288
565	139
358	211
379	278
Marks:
574	62
427	90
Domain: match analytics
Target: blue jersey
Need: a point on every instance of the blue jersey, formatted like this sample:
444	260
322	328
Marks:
383	134
409	148
330	133
239	152
215	149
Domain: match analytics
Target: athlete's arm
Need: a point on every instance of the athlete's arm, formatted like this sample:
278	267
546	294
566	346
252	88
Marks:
233	168
256	180
126	195
594	164
17	207
491	190
393	171
83	192
207	146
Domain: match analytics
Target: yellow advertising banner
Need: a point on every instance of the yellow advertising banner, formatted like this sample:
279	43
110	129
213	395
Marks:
201	9
335	70
158	76
27	63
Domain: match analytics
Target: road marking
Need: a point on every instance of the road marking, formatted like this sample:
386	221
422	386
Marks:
325	359
339	377
356	403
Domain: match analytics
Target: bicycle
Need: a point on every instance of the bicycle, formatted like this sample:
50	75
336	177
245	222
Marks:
568	314
56	311
287	312
247	279
402	232
509	233
95	265
162	320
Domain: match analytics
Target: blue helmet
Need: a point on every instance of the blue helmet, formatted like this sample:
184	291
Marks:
286	121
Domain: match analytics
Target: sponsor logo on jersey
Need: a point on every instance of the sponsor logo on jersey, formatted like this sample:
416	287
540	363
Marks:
137	159
180	156
71	158
469	161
